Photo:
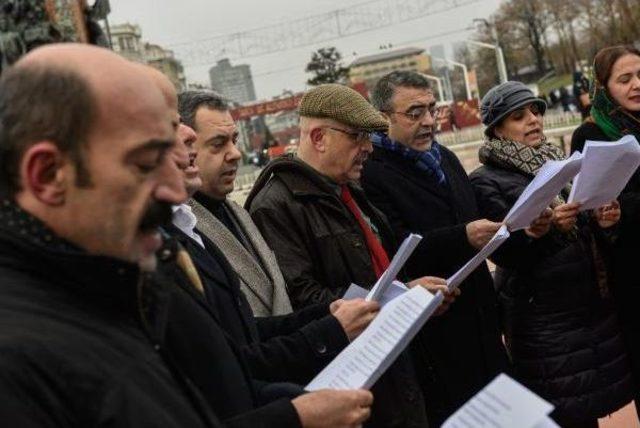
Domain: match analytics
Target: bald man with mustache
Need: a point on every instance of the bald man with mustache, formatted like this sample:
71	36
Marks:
86	179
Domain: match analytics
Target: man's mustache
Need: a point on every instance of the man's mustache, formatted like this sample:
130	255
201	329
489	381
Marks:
158	214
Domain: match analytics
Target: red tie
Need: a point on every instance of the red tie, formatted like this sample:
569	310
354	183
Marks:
379	257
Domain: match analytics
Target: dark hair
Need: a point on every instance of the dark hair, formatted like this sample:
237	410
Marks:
190	101
386	86
605	58
39	103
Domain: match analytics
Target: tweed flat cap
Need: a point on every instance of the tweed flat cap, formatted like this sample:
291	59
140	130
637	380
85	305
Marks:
342	104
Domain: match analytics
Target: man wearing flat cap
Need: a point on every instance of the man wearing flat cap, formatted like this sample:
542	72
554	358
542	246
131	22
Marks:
325	233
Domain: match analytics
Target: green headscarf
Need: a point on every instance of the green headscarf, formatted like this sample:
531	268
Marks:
614	120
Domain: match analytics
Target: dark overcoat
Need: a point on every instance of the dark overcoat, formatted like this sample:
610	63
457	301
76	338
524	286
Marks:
562	333
460	352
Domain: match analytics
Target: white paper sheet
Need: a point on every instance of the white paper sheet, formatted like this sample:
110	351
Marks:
395	289
544	187
389	275
504	403
498	239
362	363
355	292
547	422
606	169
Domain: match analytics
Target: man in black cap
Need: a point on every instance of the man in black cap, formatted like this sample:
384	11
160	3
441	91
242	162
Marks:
422	188
325	233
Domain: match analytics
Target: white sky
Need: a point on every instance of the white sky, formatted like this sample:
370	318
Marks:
167	22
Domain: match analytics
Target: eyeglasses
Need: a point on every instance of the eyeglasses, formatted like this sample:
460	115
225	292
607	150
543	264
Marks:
417	113
357	136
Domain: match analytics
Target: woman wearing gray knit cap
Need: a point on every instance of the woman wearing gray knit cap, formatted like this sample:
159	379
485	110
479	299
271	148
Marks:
558	318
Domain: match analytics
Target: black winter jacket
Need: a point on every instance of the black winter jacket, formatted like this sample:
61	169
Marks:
624	258
75	350
286	348
321	250
198	344
415	203
563	337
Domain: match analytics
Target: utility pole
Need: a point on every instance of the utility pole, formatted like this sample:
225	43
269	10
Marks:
464	71
438	81
502	67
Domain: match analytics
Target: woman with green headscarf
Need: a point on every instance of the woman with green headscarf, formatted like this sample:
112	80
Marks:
615	112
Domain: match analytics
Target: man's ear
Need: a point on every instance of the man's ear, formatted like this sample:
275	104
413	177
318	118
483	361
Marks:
317	139
42	173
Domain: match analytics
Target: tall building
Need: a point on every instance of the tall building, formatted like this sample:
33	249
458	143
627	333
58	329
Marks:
368	69
163	59
126	40
233	81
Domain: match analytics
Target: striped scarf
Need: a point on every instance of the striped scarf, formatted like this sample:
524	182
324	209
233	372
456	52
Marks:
516	156
427	161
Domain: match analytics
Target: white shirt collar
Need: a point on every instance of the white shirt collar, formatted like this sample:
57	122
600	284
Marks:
185	220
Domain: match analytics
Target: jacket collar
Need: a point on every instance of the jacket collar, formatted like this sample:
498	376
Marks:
408	170
301	179
103	281
244	264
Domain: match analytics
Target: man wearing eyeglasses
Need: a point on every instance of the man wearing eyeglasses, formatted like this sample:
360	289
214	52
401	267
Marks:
325	233
422	188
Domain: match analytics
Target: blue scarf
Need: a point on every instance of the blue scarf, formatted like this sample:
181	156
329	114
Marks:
427	161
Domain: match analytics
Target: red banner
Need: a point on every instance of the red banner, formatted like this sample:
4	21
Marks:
461	114
269	107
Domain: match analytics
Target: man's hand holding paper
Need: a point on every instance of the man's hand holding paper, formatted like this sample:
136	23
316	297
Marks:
433	285
479	232
330	409
354	315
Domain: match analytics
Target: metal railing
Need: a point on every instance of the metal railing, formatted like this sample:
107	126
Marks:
464	142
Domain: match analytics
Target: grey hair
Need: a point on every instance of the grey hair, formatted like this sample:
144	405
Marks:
385	88
190	101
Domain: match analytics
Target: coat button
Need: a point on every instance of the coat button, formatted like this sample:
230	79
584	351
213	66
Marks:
165	254
321	348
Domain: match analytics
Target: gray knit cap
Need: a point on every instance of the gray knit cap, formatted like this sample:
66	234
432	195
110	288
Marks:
503	99
342	104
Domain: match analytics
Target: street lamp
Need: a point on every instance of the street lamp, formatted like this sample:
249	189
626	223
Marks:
464	71
438	81
502	68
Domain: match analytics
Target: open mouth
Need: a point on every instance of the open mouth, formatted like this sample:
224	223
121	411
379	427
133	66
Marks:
635	98
424	135
229	174
534	133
